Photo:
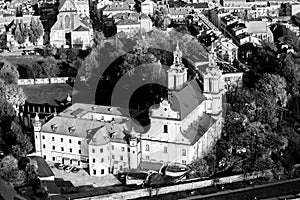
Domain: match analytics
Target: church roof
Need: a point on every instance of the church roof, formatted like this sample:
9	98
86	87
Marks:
81	28
187	99
198	128
62	3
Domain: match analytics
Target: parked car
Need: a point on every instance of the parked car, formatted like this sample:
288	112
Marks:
60	166
75	170
68	169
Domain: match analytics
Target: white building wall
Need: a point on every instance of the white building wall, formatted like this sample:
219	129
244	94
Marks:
63	148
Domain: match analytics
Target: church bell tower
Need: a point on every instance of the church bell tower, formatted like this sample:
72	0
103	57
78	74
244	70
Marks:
213	86
177	74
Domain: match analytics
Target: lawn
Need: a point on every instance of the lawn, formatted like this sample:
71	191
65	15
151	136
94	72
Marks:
47	93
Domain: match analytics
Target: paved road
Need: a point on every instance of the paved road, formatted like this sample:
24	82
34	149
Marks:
288	188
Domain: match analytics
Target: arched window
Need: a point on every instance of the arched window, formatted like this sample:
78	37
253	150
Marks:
67	22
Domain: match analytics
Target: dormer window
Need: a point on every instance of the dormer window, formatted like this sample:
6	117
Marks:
54	127
71	129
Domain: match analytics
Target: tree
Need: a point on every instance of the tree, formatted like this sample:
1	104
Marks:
36	30
9	170
15	95
201	167
9	73
50	68
38	71
21	32
273	86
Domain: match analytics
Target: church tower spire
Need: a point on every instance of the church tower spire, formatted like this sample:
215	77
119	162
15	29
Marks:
177	74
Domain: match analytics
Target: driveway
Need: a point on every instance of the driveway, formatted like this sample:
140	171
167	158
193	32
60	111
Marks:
83	178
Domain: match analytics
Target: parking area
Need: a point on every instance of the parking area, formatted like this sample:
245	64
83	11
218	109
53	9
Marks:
81	177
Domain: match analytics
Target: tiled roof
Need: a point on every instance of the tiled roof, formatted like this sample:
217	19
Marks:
187	99
117	7
179	11
81	28
83	128
198	128
198	5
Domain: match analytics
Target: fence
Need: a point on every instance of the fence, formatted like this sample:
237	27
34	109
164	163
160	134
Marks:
39	81
181	187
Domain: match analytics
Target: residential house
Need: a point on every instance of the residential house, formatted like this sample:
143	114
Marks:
226	49
186	125
178	14
198	7
260	30
69	29
148	7
133	25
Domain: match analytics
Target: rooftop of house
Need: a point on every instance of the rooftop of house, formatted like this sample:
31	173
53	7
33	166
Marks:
228	18
198	5
257	27
179	11
117	6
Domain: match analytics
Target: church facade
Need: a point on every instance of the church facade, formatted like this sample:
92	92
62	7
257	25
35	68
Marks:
187	124
69	28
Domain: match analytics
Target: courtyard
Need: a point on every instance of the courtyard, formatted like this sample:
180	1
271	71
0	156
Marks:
82	177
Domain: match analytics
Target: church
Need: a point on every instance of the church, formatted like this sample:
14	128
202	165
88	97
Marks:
187	124
72	27
105	139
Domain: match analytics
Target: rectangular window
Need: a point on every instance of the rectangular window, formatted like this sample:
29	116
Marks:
112	147
123	148
112	156
165	128
121	157
70	141
184	162
78	163
94	160
102	171
45	157
79	142
165	150
62	149
70	150
79	151
52	138
93	150
102	159
43	137
121	168
183	152
147	158
101	150
44	146
147	147
53	147
94	171
62	139
53	158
